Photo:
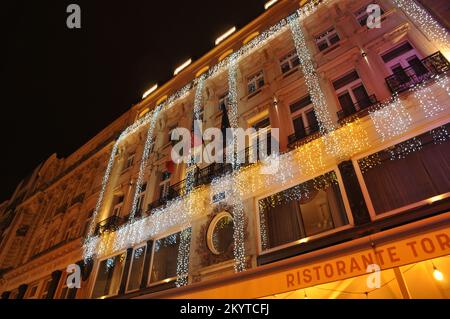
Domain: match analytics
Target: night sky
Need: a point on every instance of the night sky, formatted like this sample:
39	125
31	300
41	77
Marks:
60	87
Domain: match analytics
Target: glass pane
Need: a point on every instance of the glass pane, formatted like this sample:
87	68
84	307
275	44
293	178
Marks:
361	96
312	121
305	210
346	103
299	127
165	258
322	45
137	265
109	276
222	236
417	65
334	39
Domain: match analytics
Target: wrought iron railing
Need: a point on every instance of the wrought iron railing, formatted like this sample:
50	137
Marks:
300	136
110	224
357	107
404	79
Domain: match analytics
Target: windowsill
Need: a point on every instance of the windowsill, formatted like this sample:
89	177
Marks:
253	94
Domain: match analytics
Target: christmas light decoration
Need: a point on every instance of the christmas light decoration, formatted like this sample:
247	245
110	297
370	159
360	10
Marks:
440	135
425	22
442	81
144	161
427	100
369	162
392	119
312	81
402	150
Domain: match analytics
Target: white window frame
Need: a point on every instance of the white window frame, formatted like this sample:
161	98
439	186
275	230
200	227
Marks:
301	113
297	181
131	267
325	36
254	79
97	268
401	60
289	58
167	280
348	88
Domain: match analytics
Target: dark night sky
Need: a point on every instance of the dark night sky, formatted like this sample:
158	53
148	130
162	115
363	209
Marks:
60	87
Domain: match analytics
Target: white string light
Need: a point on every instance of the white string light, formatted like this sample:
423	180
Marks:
392	119
425	22
427	100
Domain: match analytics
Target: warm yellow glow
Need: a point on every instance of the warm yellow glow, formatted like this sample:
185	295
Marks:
161	100
227	53
267	5
439	276
437	198
250	37
225	35
202	70
150	91
182	67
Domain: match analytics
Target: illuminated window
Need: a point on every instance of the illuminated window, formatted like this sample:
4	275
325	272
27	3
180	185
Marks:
327	39
109	276
289	62
137	266
303	117
255	82
308	209
165	254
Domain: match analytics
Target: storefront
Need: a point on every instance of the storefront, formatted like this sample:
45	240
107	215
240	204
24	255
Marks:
413	260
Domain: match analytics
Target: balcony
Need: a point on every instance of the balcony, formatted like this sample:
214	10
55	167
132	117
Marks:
359	108
404	79
110	224
301	136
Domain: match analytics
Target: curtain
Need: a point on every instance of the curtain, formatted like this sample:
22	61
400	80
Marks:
421	175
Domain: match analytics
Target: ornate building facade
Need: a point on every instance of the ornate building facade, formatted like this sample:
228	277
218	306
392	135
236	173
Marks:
360	188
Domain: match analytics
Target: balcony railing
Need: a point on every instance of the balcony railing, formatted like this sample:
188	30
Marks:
109	225
404	79
357	107
300	136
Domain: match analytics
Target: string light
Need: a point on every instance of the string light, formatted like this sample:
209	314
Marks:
425	22
427	100
440	135
402	150
318	100
392	119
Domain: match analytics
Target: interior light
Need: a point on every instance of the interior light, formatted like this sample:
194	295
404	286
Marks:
182	67
270	3
150	91
225	35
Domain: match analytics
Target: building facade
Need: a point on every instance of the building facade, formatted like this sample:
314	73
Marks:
354	204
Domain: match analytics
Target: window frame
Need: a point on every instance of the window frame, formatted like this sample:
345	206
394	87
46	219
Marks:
402	59
301	113
373	215
167	280
326	35
297	181
289	58
97	268
348	88
254	78
131	267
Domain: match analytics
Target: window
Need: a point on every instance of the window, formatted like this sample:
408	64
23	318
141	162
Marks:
165	254
109	276
164	185
398	177
361	15
137	266
141	199
351	93
327	39
70	231
255	82
224	102
117	205
404	61
45	289
130	161
305	210
303	117
289	61
32	292
263	135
